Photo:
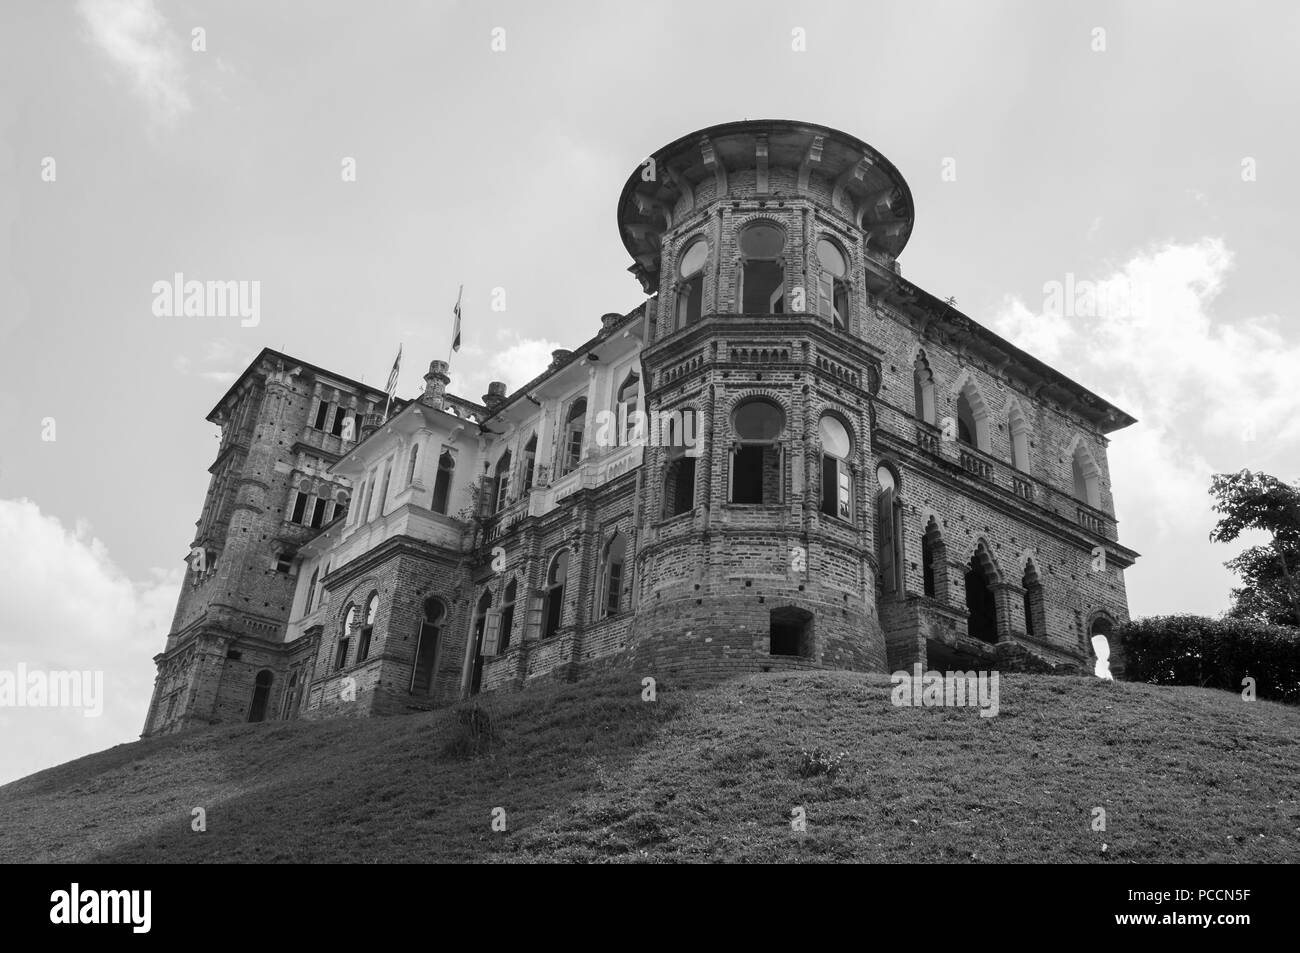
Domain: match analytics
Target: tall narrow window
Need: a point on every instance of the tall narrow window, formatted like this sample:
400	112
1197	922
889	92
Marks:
442	485
837	478
756	461
1019	428
530	461
349	623
690	290
322	413
923	386
1087	484
370	498
982	623
367	628
628	423
507	615
556	576
1035	609
575	424
612	576
318	513
340	505
383	491
290	704
501	483
300	504
410	467
679	485
833	286
934	562
889	532
261	695
340	414
762	276
311	590
426	649
972	418
480	629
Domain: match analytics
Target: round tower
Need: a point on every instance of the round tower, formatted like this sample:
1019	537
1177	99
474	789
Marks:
762	503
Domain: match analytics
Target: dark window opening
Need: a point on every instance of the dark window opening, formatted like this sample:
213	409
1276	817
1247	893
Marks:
679	487
764	291
983	621
480	627
299	508
339	417
322	413
318	514
530	460
426	649
927	565
790	632
507	617
691	302
341	656
261	695
442	483
555	580
747	476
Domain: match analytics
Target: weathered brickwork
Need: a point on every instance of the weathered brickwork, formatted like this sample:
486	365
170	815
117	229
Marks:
788	457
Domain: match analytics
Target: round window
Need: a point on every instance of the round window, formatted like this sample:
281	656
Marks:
758	420
694	259
762	240
831	259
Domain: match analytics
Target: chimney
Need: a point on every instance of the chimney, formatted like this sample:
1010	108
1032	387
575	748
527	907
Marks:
495	395
435	385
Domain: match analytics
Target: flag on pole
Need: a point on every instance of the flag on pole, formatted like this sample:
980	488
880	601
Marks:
455	331
391	389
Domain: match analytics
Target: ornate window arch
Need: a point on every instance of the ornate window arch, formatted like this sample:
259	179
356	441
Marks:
923	388
757	455
833	282
690	284
613	560
836	439
762	267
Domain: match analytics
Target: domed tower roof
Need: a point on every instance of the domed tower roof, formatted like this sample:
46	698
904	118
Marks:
822	164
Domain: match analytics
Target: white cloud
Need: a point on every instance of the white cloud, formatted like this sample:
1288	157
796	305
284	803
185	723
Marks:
1198	383
515	360
67	607
136	37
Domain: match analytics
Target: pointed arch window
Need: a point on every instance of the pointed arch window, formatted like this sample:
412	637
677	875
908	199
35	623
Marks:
349	623
612	576
762	273
1087	481
507	615
501	483
556	577
575	423
261	695
410	467
889	531
1035	608
934	562
442	484
690	288
982	622
629	424
923	387
833	285
972	418
530	461
367	628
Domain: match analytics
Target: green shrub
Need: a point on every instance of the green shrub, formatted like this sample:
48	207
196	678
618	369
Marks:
1212	653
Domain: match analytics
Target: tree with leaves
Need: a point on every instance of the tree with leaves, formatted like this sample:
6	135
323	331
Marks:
1271	573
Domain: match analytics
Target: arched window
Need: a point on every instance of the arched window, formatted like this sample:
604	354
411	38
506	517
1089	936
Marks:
757	460
480	627
982	623
410	467
690	289
530	461
289	705
349	623
574	425
972	418
889	532
556	576
311	590
762	274
1035	609
383	492
1019	429
507	615
1087	482
340	505
630	424
923	385
1100	634
833	286
442	484
837	478
426	647
611	577
261	695
501	483
300	503
934	562
367	628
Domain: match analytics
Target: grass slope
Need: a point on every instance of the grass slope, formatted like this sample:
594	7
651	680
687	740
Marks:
587	771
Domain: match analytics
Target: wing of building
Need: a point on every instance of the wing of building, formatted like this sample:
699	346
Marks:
788	457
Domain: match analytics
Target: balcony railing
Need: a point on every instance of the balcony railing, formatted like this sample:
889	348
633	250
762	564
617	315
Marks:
927	438
1022	488
1089	521
976	465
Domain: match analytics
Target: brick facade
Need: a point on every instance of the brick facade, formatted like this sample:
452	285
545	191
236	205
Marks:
876	479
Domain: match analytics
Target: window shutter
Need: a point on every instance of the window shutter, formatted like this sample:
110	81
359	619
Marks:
492	633
533	619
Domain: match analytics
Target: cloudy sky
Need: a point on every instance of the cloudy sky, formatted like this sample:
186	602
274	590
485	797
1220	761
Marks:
1151	155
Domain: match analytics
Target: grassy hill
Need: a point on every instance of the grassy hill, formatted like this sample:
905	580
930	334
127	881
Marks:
589	772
